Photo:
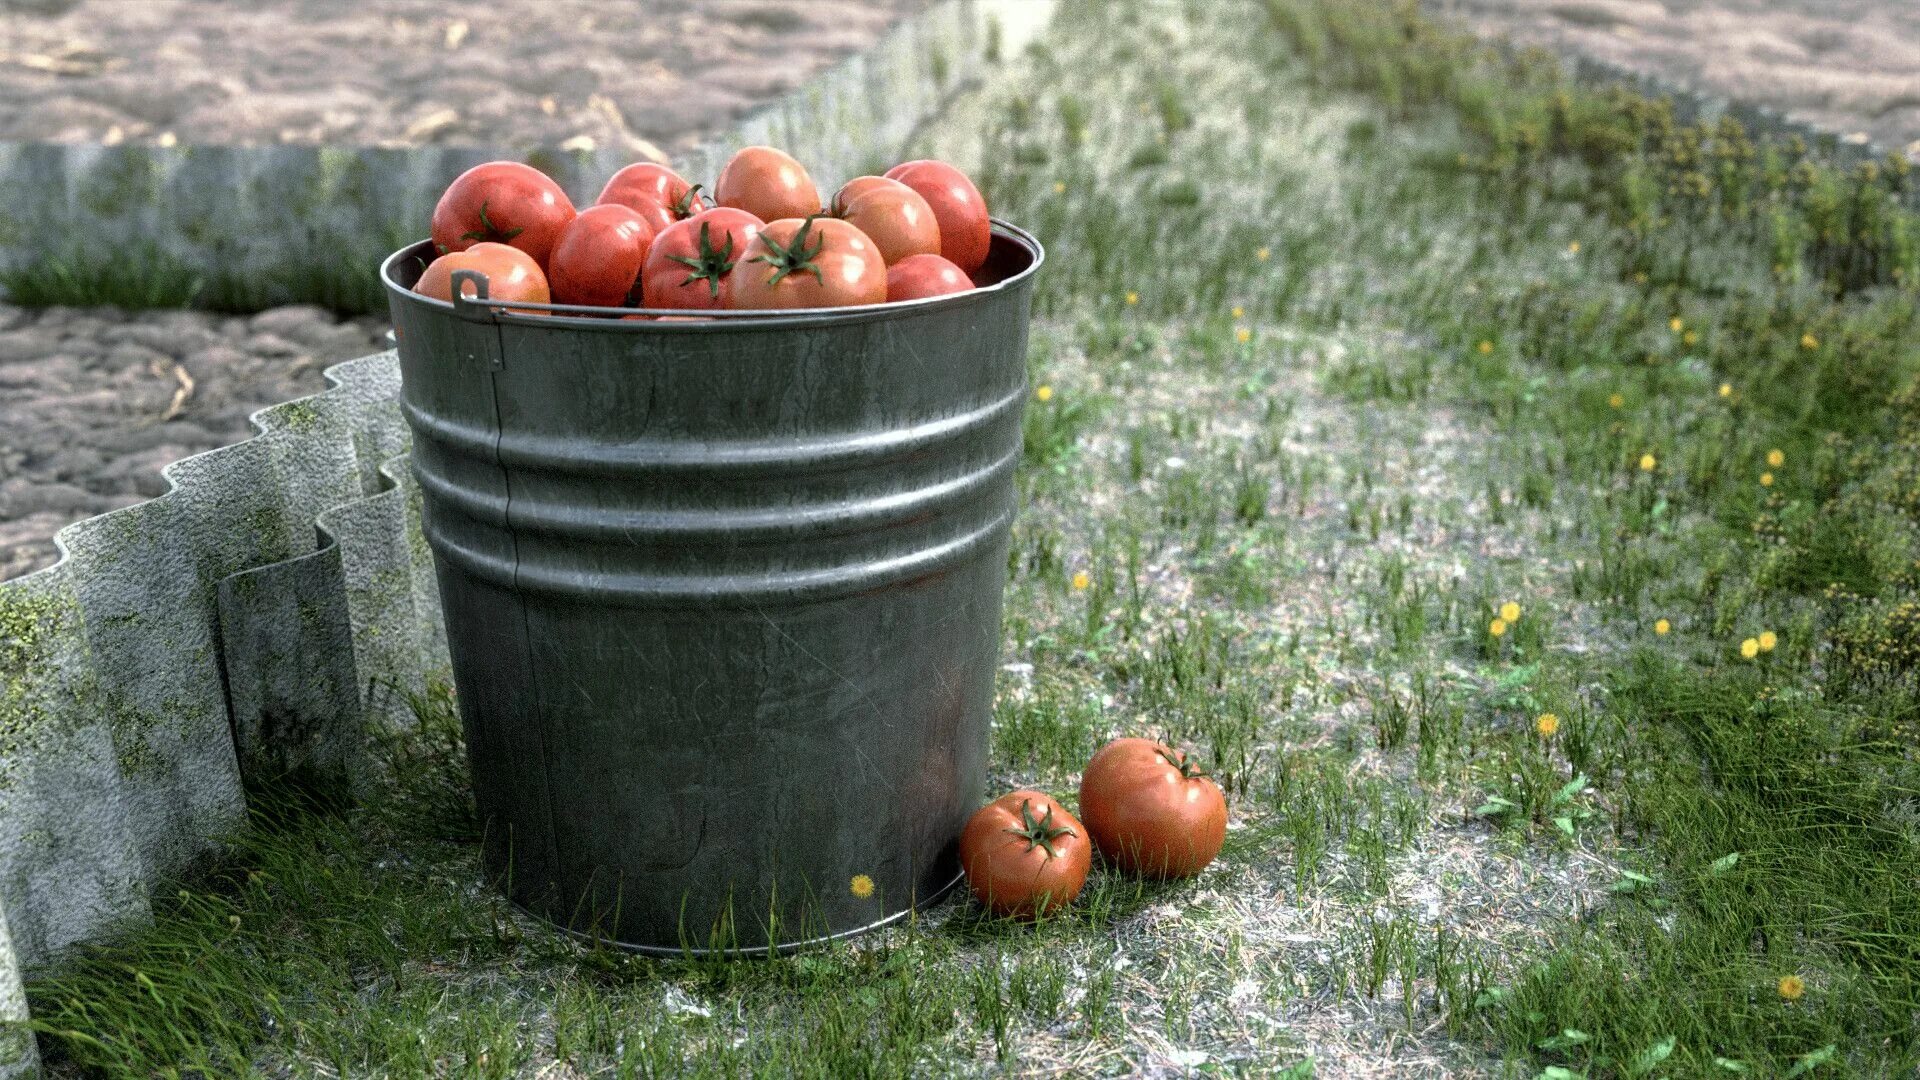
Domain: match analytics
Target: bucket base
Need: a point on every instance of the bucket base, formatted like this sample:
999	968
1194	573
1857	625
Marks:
756	951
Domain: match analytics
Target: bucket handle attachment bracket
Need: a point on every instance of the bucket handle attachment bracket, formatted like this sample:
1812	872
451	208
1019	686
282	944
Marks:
479	309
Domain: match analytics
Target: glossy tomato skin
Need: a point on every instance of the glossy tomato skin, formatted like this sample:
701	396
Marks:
679	274
1013	876
502	202
598	258
511	274
850	269
898	220
854	188
767	183
657	193
917	277
1147	815
965	232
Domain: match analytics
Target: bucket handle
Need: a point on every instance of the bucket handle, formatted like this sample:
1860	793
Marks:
475	307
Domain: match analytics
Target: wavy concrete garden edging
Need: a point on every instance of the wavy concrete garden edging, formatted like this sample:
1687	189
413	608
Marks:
277	606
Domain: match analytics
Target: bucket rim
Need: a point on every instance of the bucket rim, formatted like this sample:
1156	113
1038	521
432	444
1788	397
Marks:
916	908
704	321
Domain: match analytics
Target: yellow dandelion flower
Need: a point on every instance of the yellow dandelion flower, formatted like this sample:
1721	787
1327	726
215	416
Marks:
1573	247
1239	312
1662	627
861	886
1133	298
1615	401
1766	479
1768	640
1497	627
1546	724
1059	187
1726	389
1081	580
1808	341
1750	648
1776	458
1510	611
1043	392
1485	347
1792	987
1676	324
1639	277
1242	335
1263	254
1648	462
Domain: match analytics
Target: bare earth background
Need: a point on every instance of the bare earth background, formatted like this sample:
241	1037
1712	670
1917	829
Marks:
1850	66
94	402
404	72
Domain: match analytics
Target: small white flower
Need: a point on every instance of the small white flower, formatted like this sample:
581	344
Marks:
677	1001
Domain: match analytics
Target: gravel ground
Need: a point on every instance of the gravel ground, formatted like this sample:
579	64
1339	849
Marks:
94	402
1850	66
407	72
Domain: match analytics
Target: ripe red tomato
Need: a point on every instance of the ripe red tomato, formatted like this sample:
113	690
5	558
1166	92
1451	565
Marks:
893	215
658	193
598	258
691	262
1025	855
809	263
502	202
917	277
857	186
768	184
511	274
965	233
1151	810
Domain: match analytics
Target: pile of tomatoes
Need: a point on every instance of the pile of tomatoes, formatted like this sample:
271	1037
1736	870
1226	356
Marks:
1145	806
767	242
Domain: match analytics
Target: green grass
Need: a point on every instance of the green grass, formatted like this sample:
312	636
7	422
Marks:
1352	332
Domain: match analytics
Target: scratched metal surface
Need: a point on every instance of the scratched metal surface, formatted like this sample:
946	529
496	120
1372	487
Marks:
723	599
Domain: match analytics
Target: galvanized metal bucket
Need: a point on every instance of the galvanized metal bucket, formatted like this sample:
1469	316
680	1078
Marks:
722	597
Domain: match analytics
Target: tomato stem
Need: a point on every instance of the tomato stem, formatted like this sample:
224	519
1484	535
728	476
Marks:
489	232
708	264
683	207
1040	833
1179	760
794	256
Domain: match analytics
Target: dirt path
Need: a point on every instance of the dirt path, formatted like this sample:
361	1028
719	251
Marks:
1851	66
405	72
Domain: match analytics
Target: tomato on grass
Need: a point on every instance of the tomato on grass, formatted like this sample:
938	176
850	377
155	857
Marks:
809	262
502	202
1025	855
598	257
691	263
965	231
1151	810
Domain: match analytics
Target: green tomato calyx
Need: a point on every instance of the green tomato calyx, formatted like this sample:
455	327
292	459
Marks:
1039	832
